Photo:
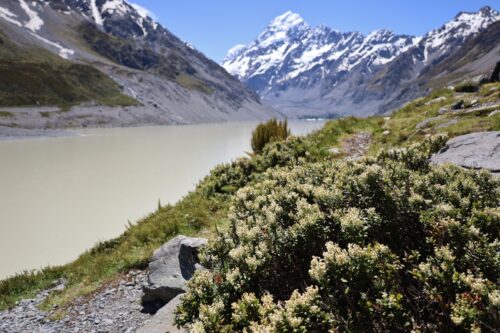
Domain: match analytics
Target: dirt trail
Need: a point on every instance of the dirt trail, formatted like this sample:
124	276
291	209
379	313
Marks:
355	146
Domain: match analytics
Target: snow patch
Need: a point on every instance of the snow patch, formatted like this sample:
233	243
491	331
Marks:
287	21
115	7
95	13
8	16
63	52
234	52
143	12
35	22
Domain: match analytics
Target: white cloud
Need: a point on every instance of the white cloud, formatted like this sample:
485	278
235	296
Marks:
143	11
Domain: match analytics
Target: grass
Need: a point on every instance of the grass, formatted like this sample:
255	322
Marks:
34	77
6	114
192	83
198	215
193	215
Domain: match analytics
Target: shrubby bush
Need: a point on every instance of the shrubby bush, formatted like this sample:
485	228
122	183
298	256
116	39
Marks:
385	244
467	87
228	178
270	131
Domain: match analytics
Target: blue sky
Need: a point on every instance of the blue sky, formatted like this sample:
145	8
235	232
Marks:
214	26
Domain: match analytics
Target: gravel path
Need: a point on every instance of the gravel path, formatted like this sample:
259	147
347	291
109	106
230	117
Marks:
356	146
116	307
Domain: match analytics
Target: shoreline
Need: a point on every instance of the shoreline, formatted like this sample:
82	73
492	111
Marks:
14	134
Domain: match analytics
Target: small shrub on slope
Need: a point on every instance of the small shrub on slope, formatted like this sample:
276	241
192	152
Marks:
389	243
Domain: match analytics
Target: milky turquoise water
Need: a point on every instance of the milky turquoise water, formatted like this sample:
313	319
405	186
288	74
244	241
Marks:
59	196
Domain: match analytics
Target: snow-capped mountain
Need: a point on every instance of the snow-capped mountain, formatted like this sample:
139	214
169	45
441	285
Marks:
440	41
289	47
173	81
312	71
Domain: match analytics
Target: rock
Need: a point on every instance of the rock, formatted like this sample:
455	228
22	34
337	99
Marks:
334	151
172	265
163	320
448	123
495	75
493	113
473	151
443	110
386	132
427	121
474	103
435	100
458	105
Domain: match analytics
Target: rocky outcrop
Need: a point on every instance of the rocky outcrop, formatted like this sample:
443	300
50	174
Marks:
473	151
495	76
172	265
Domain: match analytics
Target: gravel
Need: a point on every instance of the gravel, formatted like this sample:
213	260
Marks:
115	307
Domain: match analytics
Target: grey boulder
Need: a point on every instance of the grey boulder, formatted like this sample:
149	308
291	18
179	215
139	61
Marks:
172	265
163	320
473	151
458	105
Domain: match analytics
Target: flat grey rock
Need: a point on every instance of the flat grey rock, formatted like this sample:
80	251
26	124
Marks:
473	151
172	265
426	122
163	320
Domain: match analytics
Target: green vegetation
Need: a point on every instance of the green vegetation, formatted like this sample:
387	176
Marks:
6	114
192	83
427	233
30	77
270	131
389	243
467	87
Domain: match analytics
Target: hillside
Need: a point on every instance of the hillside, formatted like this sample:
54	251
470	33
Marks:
396	210
148	75
307	71
38	77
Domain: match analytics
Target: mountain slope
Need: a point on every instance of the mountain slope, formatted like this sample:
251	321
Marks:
306	71
173	82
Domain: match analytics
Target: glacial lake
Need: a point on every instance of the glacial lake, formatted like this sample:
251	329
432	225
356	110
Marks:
60	196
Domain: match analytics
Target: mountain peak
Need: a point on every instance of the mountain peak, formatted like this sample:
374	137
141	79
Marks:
463	25
287	21
484	12
487	10
234	52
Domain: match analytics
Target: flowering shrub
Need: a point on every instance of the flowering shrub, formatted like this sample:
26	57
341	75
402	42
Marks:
389	243
228	178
